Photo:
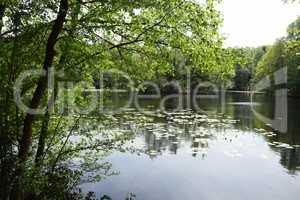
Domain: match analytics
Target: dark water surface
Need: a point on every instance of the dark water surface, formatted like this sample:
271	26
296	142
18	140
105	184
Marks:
229	154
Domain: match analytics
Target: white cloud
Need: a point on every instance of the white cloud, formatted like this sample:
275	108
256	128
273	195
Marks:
256	22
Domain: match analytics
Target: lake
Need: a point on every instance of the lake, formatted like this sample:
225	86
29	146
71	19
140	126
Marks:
226	153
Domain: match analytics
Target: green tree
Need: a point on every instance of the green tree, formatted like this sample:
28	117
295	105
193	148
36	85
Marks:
245	61
82	37
271	61
284	53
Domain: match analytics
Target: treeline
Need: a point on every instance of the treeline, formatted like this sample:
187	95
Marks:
242	68
259	63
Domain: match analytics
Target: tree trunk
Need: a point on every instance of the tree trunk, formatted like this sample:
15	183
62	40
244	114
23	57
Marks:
44	129
42	139
42	83
37	97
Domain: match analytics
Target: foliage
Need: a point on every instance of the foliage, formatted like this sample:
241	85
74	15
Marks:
284	53
79	39
245	61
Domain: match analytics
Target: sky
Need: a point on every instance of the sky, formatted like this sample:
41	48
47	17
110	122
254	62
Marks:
252	23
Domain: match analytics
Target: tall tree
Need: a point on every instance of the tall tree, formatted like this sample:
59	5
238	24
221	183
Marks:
42	83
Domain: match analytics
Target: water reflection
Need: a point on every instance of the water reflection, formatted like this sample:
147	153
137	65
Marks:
166	132
223	141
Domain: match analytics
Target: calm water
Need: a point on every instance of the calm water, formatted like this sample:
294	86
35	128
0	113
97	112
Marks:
228	154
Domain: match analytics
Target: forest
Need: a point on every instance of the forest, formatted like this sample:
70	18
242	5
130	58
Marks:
53	50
